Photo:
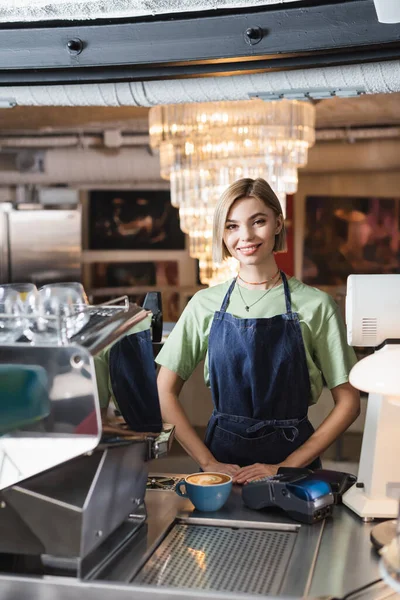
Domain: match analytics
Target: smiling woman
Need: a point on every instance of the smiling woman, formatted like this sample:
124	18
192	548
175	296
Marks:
269	340
245	224
244	236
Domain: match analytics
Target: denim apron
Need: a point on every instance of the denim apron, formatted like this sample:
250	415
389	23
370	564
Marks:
133	381
260	386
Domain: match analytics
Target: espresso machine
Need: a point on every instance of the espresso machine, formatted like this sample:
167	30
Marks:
70	496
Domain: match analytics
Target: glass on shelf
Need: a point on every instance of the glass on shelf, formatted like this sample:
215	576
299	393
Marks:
72	290
12	321
51	315
62	312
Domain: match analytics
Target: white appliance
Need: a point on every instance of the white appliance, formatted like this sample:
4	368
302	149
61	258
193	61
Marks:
373	320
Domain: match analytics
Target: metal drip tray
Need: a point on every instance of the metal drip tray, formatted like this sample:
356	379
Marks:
229	559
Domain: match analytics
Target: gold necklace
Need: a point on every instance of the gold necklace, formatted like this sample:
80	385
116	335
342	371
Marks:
248	306
258	282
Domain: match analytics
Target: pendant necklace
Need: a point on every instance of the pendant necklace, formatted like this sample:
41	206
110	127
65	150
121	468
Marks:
248	306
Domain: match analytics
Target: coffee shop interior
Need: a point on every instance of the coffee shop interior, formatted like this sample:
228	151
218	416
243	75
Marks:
104	181
95	160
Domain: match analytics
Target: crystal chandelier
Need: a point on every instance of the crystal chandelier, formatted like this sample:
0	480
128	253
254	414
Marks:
204	147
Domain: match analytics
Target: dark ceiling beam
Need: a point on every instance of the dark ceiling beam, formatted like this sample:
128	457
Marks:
277	37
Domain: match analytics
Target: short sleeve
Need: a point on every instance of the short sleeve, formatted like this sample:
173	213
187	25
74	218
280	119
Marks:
333	356
187	343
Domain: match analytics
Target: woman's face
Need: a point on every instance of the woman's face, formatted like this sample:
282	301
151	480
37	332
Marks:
250	231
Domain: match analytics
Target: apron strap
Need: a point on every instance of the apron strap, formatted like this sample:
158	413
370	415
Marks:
227	297
287	293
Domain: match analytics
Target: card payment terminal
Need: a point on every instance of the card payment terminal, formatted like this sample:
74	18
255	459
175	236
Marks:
301	496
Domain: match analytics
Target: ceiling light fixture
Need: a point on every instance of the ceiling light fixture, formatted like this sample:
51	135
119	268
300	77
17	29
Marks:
204	147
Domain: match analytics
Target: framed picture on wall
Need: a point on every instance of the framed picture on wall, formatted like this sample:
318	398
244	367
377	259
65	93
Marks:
135	274
346	235
133	220
171	306
167	273
124	274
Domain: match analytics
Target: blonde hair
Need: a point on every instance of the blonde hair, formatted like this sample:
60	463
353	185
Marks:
244	188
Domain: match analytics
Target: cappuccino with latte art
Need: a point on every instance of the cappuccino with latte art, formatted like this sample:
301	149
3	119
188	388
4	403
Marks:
208	478
207	491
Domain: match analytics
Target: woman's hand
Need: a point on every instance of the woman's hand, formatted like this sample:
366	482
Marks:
256	471
219	467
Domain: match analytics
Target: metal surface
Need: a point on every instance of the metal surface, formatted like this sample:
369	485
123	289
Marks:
16	533
163	442
289	37
54	390
118	488
196	556
329	560
345	558
301	567
16	588
162	482
35	235
162	508
156	445
132	529
166	509
107	324
68	422
103	490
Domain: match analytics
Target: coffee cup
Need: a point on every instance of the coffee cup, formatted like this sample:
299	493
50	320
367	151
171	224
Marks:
207	491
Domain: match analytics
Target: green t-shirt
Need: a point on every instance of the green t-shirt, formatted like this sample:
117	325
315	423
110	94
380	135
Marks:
328	355
101	366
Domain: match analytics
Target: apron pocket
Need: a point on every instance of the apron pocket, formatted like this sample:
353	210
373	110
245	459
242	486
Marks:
235	438
272	448
230	447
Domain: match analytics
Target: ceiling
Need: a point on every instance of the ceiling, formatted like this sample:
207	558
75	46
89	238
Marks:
365	111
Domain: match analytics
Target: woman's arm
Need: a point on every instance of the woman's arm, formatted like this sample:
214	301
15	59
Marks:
345	411
343	414
169	387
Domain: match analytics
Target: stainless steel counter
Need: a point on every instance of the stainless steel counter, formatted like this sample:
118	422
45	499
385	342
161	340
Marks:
164	507
345	560
329	559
